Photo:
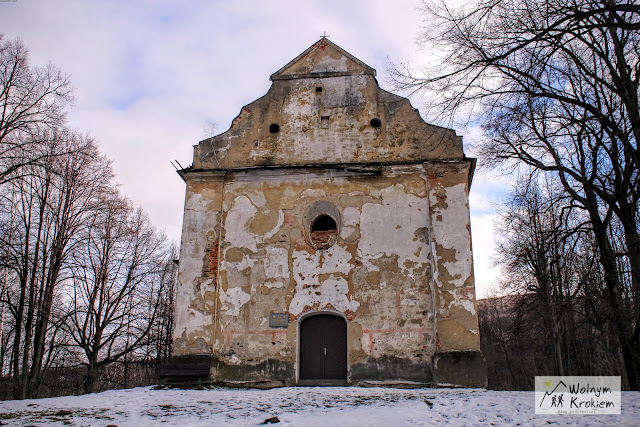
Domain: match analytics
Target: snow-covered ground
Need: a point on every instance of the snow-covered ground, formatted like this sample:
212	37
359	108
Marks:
301	406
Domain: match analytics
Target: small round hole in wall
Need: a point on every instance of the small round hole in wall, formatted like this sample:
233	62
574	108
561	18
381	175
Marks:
375	123
274	128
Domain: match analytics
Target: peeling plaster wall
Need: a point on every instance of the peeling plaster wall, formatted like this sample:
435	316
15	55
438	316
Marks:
198	270
349	102
404	240
378	274
456	316
401	270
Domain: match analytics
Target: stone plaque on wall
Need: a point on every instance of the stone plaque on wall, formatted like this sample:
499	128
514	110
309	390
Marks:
278	320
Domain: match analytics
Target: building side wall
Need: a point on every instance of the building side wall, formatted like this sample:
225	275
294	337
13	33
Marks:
458	360
401	272
198	269
456	316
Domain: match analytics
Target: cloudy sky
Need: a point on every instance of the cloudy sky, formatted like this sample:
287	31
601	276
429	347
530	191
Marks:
150	75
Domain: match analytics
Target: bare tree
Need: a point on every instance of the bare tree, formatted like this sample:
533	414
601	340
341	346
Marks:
118	279
32	102
49	207
542	241
555	84
161	336
83	276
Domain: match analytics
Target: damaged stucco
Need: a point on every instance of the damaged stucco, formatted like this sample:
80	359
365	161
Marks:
399	267
451	244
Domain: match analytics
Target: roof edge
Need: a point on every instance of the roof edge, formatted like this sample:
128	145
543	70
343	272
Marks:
367	167
278	74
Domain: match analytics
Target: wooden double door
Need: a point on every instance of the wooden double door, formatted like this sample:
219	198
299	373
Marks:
323	348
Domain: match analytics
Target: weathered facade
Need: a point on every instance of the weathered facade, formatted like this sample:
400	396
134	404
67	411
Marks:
326	238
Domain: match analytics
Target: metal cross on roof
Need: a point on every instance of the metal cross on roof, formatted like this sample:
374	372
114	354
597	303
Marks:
325	35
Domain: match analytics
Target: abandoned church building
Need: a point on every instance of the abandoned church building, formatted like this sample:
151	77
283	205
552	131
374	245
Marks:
327	240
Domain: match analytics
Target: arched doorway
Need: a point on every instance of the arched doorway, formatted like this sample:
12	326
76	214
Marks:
323	348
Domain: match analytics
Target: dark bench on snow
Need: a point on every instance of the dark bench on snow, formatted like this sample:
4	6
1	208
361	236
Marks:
179	372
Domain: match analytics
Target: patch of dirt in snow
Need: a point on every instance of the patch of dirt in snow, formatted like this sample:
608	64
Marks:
307	406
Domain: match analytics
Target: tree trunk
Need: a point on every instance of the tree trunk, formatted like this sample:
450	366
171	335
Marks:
43	320
92	381
614	291
632	240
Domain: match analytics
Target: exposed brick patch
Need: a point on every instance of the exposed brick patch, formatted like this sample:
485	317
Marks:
289	220
329	306
322	44
308	308
350	315
323	239
210	262
243	114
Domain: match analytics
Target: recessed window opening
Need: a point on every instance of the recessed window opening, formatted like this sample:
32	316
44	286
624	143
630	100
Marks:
375	123
274	128
318	89
324	122
324	223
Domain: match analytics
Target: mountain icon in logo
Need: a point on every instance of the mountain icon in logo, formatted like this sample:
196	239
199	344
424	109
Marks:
546	393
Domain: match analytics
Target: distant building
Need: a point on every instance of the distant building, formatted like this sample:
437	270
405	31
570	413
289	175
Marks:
326	239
